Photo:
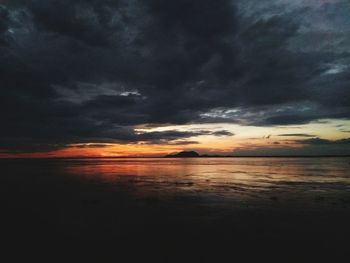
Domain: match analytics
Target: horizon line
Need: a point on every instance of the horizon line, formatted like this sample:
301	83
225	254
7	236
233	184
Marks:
169	157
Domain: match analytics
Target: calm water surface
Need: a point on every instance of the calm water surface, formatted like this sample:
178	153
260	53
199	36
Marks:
233	180
240	178
286	208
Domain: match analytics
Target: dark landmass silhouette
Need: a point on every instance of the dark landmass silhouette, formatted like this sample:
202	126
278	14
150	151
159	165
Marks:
183	154
194	154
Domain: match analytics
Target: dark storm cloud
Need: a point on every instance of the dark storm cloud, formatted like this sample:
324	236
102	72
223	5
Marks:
223	133
90	21
318	141
312	146
296	135
183	143
169	135
105	135
176	137
4	25
91	145
80	71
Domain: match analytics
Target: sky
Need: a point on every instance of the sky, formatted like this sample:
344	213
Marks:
153	77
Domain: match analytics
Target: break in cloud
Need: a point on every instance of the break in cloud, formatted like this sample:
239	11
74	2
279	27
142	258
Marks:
296	135
80	71
312	146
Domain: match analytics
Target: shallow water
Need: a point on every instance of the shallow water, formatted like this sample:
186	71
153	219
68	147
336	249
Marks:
297	206
235	179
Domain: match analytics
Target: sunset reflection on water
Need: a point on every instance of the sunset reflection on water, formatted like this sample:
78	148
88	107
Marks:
232	178
246	202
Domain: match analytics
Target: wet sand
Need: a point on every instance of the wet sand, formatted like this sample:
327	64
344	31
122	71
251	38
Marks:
176	211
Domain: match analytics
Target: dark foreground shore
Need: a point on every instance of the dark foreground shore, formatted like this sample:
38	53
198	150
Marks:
48	215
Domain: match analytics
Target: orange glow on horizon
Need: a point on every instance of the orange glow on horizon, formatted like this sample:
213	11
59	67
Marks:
117	150
244	138
143	149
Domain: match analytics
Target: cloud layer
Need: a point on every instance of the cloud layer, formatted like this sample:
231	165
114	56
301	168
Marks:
80	71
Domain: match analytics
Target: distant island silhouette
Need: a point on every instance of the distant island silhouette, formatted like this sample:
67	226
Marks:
183	154
192	154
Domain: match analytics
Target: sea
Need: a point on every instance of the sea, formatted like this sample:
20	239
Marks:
169	209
